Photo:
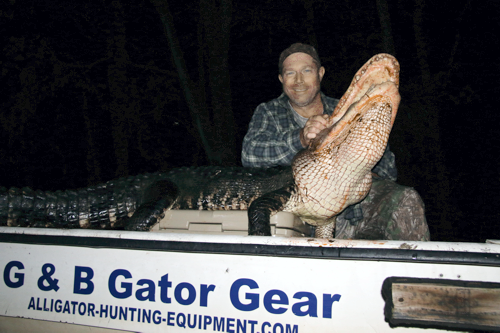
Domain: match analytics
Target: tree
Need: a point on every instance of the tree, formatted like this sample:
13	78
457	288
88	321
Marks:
385	23
211	113
72	87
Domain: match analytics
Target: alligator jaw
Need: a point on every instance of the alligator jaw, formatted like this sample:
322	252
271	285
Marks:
381	68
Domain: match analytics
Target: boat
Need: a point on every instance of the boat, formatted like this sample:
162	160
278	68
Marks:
199	271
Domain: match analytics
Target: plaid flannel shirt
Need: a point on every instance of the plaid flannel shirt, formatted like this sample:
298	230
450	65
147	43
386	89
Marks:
273	138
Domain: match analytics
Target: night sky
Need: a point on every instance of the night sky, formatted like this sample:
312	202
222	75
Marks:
91	91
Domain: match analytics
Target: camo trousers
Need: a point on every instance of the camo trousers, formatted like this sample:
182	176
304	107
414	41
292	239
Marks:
390	212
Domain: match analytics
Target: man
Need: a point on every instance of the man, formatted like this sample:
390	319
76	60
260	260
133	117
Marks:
282	127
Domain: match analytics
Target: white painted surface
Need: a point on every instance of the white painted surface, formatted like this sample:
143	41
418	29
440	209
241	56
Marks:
360	306
276	240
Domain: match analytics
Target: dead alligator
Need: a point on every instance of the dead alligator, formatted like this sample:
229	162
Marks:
331	174
137	203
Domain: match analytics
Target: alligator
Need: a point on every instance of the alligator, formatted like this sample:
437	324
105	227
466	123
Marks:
331	174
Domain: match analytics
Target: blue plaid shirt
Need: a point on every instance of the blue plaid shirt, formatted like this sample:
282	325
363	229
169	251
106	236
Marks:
273	138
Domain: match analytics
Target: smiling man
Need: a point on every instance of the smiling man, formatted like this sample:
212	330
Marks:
301	76
285	125
282	127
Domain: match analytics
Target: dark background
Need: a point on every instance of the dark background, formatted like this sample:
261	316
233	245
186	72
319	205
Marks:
96	90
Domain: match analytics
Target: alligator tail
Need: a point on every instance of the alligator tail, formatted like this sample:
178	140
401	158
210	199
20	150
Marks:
105	206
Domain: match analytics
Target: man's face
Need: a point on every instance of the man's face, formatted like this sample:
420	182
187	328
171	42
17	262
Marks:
301	79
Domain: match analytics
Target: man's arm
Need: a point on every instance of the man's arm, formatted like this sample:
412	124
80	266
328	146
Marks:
273	138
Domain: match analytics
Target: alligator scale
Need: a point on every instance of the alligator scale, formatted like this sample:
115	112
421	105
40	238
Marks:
331	174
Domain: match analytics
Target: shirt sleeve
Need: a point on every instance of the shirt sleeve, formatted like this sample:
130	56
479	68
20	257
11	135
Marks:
271	139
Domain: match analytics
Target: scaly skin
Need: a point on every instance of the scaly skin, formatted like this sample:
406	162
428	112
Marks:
335	171
138	203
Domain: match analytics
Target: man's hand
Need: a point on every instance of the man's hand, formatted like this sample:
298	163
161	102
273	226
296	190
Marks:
313	126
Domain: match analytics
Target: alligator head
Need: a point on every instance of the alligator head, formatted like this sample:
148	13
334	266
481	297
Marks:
335	171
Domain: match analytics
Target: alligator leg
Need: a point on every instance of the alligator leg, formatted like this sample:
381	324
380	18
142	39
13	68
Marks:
260	210
159	197
325	231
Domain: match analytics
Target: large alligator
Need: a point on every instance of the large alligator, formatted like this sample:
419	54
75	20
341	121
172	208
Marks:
331	174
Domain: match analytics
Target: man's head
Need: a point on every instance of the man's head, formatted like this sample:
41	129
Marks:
295	48
301	74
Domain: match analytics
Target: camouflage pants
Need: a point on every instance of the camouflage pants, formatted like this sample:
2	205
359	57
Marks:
390	212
